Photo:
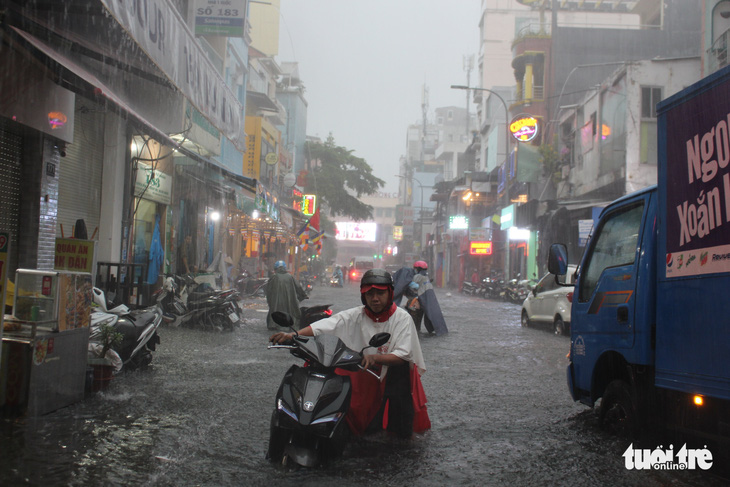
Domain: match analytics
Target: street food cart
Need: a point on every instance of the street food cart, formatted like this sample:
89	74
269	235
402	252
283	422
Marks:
45	341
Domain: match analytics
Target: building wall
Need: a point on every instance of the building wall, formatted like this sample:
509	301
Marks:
679	37
588	175
264	19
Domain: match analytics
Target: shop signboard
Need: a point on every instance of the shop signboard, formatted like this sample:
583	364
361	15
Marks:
458	222
507	218
479	234
524	128
225	18
480	248
397	233
152	185
74	255
584	231
309	204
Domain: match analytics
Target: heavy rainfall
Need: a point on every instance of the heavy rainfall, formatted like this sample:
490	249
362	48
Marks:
174	172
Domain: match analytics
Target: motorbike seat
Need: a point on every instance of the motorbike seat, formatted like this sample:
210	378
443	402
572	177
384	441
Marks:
142	317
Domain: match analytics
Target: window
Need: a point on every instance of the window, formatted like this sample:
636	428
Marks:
650	96
615	245
450	115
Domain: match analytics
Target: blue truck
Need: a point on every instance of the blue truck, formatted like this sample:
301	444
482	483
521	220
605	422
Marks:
650	331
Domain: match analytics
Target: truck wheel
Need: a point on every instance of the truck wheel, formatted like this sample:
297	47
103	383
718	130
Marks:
618	414
524	321
559	326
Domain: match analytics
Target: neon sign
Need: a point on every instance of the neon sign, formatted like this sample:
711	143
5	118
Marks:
57	120
524	128
480	248
309	204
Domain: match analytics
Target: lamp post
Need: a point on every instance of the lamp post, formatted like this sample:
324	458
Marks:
506	159
420	210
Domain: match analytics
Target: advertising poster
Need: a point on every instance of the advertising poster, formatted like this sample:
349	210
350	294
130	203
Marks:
698	185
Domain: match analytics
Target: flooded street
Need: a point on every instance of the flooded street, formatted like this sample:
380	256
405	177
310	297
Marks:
498	402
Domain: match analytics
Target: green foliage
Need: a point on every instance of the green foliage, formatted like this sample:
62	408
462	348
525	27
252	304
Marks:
109	338
550	162
340	179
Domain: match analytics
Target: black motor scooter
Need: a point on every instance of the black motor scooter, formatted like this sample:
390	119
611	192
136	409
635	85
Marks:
308	422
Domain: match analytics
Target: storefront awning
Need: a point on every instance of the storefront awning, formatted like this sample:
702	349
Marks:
100	89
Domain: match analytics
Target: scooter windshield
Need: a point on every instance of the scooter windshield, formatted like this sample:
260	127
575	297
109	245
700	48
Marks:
327	351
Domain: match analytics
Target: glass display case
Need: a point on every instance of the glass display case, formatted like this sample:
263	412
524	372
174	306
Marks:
36	294
44	355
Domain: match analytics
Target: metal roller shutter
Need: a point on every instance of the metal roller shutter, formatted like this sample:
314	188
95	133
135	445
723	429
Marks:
11	144
79	182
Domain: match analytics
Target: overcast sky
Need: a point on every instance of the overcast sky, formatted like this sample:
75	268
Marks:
364	62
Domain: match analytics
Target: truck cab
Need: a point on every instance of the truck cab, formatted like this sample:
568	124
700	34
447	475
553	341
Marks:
613	315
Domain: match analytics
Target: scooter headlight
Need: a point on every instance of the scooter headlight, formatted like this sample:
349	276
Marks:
282	407
332	418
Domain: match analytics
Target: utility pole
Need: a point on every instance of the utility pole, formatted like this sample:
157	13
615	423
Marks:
468	66
424	113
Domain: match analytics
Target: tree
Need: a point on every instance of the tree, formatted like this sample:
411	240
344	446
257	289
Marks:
340	179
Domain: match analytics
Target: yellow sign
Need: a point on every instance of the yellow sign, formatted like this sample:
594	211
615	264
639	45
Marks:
74	255
271	158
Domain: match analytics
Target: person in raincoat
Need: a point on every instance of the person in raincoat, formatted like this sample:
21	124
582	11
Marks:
401	279
283	293
433	318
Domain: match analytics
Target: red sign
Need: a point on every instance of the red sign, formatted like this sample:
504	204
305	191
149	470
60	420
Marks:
480	248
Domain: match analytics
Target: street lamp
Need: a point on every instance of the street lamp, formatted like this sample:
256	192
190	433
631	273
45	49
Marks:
420	210
506	159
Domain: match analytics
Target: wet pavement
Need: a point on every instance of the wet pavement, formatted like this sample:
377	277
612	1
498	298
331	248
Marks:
498	402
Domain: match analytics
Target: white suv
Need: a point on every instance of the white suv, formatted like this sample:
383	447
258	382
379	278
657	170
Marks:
549	303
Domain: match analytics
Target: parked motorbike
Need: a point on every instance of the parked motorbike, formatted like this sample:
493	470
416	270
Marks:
310	314
198	304
467	287
250	286
514	293
138	329
491	288
168	299
308	422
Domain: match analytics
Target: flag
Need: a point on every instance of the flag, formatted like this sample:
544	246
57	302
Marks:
303	236
314	221
309	233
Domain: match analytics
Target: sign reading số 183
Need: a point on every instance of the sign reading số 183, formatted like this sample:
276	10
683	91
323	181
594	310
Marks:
224	18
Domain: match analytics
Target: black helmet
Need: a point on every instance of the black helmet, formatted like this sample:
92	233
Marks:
377	278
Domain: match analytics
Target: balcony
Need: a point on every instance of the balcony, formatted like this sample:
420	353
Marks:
717	53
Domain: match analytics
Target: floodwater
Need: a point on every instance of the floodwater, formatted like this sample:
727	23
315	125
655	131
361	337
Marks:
498	402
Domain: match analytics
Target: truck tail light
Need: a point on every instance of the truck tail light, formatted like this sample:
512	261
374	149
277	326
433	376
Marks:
569	296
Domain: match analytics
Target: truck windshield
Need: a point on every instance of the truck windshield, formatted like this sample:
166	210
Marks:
615	245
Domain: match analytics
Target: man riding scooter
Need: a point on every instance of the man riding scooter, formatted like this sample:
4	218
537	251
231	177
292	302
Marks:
401	359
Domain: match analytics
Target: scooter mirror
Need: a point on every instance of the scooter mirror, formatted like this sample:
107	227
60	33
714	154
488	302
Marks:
282	319
379	339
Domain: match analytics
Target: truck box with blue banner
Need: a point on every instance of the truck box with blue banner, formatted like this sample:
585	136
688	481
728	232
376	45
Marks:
650	331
